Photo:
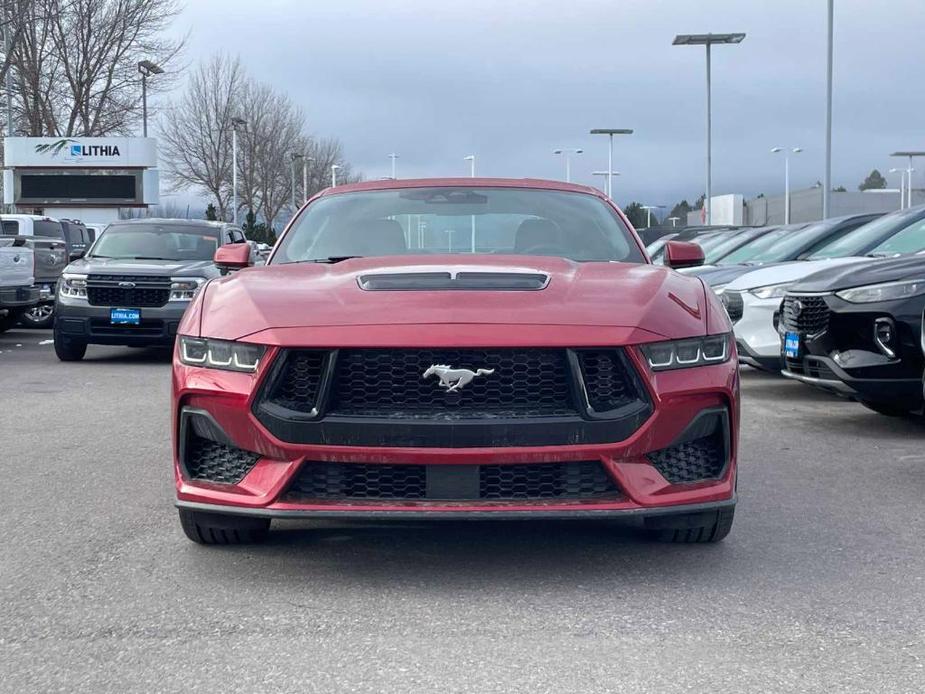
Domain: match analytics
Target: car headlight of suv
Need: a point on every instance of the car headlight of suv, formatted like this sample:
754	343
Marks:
888	291
220	354
770	291
73	286
185	288
683	354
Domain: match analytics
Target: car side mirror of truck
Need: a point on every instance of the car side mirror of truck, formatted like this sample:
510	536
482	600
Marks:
232	256
76	253
680	254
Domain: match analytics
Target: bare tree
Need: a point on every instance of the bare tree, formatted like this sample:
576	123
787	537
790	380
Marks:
196	131
75	63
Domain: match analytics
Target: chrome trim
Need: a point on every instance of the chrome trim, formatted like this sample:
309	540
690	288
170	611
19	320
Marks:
826	384
789	293
883	348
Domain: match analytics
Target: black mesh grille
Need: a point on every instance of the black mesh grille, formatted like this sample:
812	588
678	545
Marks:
359	481
701	459
581	480
390	384
104	290
805	314
211	461
297	385
545	481
734	305
608	382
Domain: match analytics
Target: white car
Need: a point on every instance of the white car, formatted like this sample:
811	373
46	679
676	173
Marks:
753	299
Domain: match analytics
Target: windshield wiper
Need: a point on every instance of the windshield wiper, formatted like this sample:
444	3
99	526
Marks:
146	257
330	260
879	254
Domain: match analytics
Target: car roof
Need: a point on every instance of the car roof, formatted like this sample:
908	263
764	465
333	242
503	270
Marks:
461	182
33	217
208	224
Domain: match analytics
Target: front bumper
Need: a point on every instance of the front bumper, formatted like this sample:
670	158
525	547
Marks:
756	335
681	397
80	321
19	297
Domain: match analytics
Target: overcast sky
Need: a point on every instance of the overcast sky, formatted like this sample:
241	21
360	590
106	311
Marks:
512	80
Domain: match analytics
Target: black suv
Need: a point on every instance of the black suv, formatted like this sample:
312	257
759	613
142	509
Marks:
858	331
135	282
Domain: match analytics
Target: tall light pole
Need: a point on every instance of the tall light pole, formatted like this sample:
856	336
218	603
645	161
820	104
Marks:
235	124
648	209
146	68
568	160
471	159
334	168
827	174
610	132
902	187
609	175
393	157
708	40
305	160
909	171
787	152
674	221
293	158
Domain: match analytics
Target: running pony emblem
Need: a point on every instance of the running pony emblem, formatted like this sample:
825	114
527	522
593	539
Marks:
454	379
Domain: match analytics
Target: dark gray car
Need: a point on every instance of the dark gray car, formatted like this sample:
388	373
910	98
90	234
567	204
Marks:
135	282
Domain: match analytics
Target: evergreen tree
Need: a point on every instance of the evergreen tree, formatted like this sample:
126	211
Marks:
211	213
874	181
636	215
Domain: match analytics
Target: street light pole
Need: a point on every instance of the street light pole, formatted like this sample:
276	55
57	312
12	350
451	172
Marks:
146	68
334	168
708	40
471	159
568	160
909	171
293	158
827	175
393	157
609	174
902	187
794	150
235	122
610	132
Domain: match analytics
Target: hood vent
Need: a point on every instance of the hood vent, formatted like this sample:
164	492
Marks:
471	281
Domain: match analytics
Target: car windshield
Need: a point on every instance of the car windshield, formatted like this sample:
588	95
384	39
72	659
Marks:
458	220
863	239
909	240
156	242
753	249
729	243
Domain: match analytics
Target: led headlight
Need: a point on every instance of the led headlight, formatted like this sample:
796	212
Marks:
770	291
683	354
888	291
220	354
185	288
73	286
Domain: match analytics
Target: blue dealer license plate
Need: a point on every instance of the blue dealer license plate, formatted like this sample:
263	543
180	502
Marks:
125	316
792	345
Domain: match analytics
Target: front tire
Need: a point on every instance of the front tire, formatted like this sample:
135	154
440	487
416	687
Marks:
714	531
68	349
221	529
40	317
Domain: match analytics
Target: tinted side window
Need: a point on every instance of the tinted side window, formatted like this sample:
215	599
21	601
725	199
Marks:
10	228
48	229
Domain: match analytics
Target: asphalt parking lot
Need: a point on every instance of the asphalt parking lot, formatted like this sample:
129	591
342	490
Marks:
820	586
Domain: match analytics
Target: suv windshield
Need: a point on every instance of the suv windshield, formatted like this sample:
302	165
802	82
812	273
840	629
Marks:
861	240
458	220
156	242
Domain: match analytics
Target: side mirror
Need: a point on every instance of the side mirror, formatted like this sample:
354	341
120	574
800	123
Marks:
680	254
77	253
232	256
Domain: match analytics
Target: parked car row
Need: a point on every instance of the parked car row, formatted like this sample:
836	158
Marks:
836	304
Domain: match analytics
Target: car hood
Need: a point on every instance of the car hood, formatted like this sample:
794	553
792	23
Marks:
160	268
872	272
653	299
786	272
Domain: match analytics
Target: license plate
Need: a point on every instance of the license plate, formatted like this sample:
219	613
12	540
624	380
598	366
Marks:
792	345
125	316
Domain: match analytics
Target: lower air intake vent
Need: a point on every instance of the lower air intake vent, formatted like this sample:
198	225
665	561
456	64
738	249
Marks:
210	461
700	454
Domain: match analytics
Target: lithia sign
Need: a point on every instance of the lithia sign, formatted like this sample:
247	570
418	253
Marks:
56	152
75	151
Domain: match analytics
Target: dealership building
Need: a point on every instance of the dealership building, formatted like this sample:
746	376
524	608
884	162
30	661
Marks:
86	178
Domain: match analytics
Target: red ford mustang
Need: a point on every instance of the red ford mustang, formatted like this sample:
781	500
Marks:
456	348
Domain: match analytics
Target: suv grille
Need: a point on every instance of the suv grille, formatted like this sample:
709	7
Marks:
390	383
104	290
734	305
808	315
581	480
